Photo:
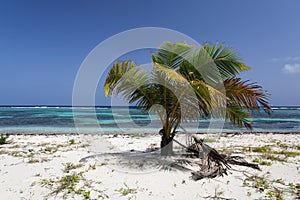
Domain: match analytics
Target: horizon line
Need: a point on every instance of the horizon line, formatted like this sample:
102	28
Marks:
52	105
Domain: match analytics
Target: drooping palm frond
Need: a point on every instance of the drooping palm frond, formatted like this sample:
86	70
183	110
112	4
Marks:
163	74
245	94
238	116
209	97
118	70
176	88
162	101
132	82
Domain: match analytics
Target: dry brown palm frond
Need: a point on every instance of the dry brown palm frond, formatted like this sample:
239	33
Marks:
245	94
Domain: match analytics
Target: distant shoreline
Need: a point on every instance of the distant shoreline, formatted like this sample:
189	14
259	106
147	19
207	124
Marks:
106	106
153	133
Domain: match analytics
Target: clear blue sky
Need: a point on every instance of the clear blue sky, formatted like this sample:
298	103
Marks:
43	43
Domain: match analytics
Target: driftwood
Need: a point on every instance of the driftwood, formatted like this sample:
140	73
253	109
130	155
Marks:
213	163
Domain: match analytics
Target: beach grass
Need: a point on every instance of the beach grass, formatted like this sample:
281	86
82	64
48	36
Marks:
3	139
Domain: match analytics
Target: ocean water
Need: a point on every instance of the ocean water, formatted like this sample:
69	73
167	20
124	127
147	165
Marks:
127	119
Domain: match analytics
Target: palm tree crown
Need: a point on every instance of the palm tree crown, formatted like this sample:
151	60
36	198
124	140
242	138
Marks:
188	83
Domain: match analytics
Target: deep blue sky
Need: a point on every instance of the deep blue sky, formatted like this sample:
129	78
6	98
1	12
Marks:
43	43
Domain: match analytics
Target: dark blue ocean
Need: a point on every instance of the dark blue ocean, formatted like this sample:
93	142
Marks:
126	119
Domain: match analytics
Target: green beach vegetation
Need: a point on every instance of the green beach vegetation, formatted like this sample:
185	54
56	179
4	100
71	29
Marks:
73	183
3	139
186	84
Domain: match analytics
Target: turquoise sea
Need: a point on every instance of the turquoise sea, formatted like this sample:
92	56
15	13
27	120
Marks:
43	119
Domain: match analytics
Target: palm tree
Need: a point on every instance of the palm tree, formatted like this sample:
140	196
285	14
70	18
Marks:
186	84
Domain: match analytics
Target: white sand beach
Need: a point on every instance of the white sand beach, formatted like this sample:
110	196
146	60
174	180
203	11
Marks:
105	166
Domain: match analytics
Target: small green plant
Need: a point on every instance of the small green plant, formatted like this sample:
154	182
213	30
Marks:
262	162
295	189
72	141
262	149
65	184
33	160
271	190
256	160
279	181
138	135
16	154
218	193
102	164
70	166
126	190
87	194
298	189
257	182
210	140
282	145
49	149
292	154
3	139
92	167
71	185
282	155
275	194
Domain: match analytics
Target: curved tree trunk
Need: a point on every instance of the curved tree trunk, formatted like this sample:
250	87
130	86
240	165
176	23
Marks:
166	144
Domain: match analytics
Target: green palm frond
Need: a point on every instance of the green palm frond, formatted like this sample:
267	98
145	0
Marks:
208	96
146	96
202	66
133	80
115	74
157	94
171	55
166	75
238	116
226	59
176	88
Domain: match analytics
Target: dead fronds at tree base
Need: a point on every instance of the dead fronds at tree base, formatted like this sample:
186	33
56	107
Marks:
213	163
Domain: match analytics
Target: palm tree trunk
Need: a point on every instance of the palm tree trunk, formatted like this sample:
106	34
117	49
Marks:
166	144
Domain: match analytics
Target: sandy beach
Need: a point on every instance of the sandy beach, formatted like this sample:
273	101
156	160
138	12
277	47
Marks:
122	167
149	100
